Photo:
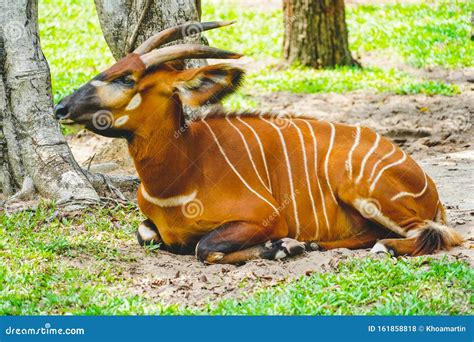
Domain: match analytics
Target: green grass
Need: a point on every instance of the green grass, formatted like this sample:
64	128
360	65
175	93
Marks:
361	287
39	250
72	42
423	34
429	33
39	274
343	79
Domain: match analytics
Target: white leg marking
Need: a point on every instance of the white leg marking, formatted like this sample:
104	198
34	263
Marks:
98	84
249	153
134	102
262	151
388	155
379	248
372	149
386	167
305	161
323	203
367	206
121	121
349	156
414	233
174	201
235	170
146	233
290	174
411	194
280	255
326	162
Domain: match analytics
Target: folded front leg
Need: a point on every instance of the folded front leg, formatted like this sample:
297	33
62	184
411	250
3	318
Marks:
147	233
238	242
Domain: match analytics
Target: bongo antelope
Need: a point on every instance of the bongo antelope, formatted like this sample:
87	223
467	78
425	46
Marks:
232	187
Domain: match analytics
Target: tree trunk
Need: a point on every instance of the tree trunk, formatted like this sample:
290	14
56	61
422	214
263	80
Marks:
35	155
127	23
316	33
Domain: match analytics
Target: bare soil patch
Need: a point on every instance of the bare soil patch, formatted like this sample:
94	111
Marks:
182	280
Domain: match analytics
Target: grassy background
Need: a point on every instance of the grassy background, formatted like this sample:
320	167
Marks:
38	248
428	34
37	276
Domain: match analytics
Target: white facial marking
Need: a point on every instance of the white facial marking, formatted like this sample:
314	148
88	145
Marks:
134	102
146	233
98	84
121	121
174	201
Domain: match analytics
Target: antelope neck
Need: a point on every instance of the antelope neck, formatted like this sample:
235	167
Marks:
162	154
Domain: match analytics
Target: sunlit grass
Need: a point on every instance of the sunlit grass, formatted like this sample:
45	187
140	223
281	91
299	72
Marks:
72	42
428	33
54	264
345	79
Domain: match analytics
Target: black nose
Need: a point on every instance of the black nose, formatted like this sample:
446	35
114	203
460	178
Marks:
61	111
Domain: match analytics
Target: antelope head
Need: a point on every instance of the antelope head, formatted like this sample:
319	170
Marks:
149	84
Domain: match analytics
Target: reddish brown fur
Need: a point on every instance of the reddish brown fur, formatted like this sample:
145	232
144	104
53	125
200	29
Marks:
210	161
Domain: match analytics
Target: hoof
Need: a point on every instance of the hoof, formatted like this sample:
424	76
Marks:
283	248
147	234
381	248
214	257
312	246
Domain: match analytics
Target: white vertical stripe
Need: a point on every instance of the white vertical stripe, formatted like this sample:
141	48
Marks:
386	167
326	162
262	151
388	155
305	161
323	202
247	148
411	194
372	149
349	157
290	174
235	170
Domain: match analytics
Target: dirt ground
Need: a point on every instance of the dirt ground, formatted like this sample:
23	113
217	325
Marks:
173	279
437	131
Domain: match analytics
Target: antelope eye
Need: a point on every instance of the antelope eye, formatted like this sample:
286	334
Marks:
125	80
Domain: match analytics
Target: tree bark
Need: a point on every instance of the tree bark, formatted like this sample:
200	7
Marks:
127	23
316	33
35	155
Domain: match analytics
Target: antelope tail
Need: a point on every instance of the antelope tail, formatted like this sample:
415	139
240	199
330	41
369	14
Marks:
437	235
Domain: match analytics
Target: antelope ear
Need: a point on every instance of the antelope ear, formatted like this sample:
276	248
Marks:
209	84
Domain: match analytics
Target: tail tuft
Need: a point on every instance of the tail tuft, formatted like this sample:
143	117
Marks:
435	236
